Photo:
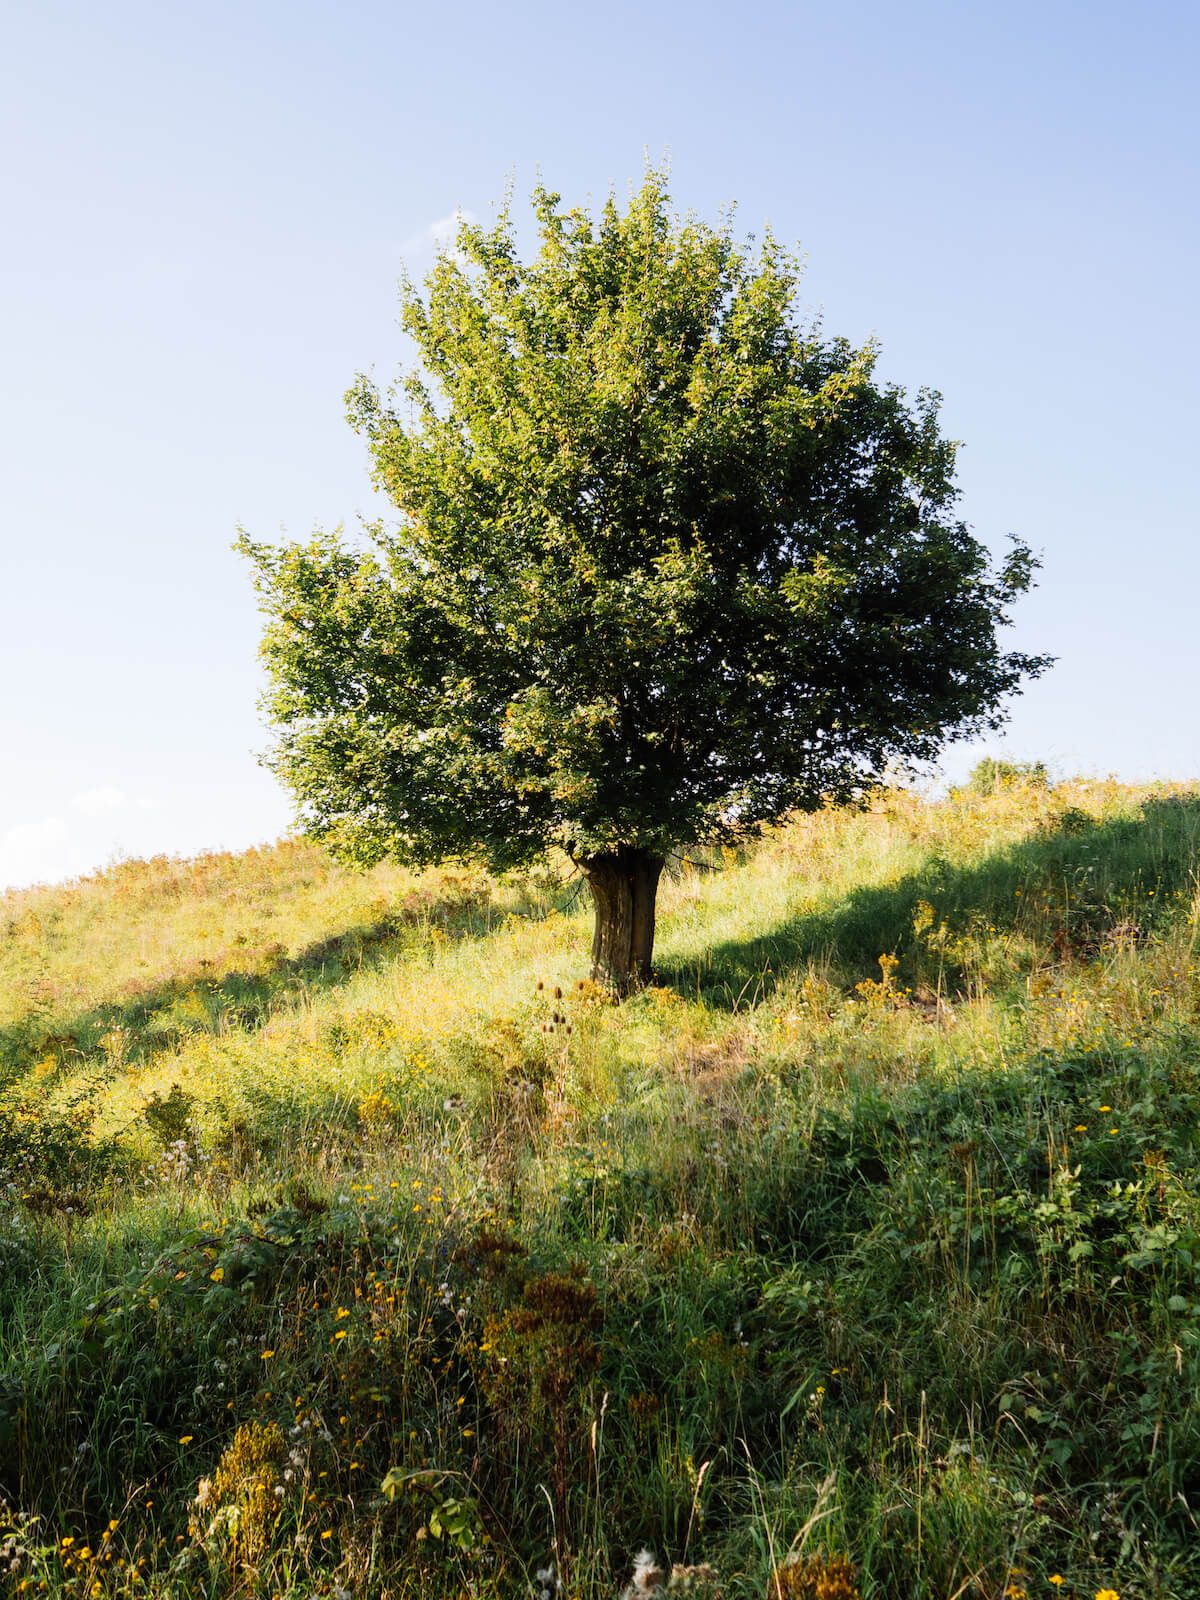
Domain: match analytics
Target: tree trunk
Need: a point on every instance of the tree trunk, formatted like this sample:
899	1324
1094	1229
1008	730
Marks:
624	885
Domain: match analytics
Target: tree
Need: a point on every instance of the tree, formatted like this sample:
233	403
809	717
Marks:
669	564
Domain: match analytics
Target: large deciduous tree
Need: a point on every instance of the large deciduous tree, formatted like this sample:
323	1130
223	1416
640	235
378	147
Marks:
669	563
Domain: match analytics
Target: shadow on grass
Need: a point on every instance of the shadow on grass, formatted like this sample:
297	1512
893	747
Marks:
204	999
1067	890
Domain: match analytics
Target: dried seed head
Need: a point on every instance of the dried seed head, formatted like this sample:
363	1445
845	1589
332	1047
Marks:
557	992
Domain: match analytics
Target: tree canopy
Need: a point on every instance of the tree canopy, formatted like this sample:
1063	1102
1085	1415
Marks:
669	563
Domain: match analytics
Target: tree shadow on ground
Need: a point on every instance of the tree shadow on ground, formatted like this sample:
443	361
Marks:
203	998
1070	888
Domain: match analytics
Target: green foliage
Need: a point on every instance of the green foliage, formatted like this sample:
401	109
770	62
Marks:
669	563
454	1518
988	775
169	1116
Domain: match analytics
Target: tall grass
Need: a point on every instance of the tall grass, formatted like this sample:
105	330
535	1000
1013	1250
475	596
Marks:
351	1243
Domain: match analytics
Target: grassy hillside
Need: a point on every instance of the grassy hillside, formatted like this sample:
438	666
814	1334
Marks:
350	1246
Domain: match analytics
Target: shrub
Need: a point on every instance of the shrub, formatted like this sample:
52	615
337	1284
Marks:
991	774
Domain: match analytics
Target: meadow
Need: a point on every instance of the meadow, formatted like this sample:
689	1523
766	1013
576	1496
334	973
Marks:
352	1244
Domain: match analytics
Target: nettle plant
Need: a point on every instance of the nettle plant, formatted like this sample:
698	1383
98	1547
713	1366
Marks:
669	564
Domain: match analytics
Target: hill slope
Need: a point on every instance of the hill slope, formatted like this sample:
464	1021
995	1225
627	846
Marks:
873	1229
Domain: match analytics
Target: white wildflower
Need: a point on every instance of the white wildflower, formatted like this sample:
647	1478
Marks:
647	1577
548	1582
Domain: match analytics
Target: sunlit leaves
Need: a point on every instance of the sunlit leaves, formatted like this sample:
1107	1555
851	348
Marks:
668	561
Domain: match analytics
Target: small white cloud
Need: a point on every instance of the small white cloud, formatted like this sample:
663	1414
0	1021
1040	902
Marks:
35	852
436	234
446	227
96	826
94	802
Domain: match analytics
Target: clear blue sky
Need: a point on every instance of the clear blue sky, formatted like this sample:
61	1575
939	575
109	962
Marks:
207	207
